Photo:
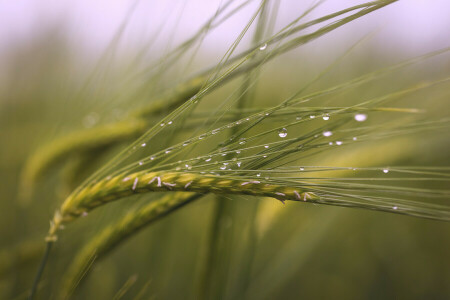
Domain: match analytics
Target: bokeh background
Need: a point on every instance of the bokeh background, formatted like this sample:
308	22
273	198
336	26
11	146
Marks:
58	75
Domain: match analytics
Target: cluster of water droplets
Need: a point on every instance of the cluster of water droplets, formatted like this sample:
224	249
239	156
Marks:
206	160
328	133
200	137
229	164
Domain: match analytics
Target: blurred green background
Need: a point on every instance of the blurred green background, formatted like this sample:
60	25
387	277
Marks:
50	88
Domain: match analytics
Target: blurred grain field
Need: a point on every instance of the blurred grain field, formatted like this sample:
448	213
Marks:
261	248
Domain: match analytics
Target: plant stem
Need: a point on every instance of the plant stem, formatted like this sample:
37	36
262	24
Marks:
222	236
41	268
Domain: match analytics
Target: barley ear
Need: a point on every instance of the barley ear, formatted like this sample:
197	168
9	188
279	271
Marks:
123	185
110	237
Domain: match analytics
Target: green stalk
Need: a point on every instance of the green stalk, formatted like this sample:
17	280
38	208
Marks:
220	249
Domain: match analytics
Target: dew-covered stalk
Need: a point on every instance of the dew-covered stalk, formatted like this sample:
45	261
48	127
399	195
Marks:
114	188
113	134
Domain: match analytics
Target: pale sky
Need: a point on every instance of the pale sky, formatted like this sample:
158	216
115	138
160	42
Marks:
416	25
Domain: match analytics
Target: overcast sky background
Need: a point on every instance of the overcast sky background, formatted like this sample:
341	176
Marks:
415	26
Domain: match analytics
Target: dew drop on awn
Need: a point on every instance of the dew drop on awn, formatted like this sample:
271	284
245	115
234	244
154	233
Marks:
282	132
360	117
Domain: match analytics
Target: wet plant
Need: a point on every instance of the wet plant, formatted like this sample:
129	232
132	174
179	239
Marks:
212	133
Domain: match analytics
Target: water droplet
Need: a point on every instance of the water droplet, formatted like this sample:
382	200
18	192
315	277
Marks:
201	137
302	169
263	47
143	144
223	167
385	171
395	208
162	124
169	123
194	99
242	141
258	175
298	118
264	156
266	146
141	163
239	164
330	143
355	138
326	117
282	132
238	151
208	159
360	117
327	133
338	143
152	157
312	116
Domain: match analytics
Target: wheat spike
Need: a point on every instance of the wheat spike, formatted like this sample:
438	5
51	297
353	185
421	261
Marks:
114	188
116	233
76	143
63	148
